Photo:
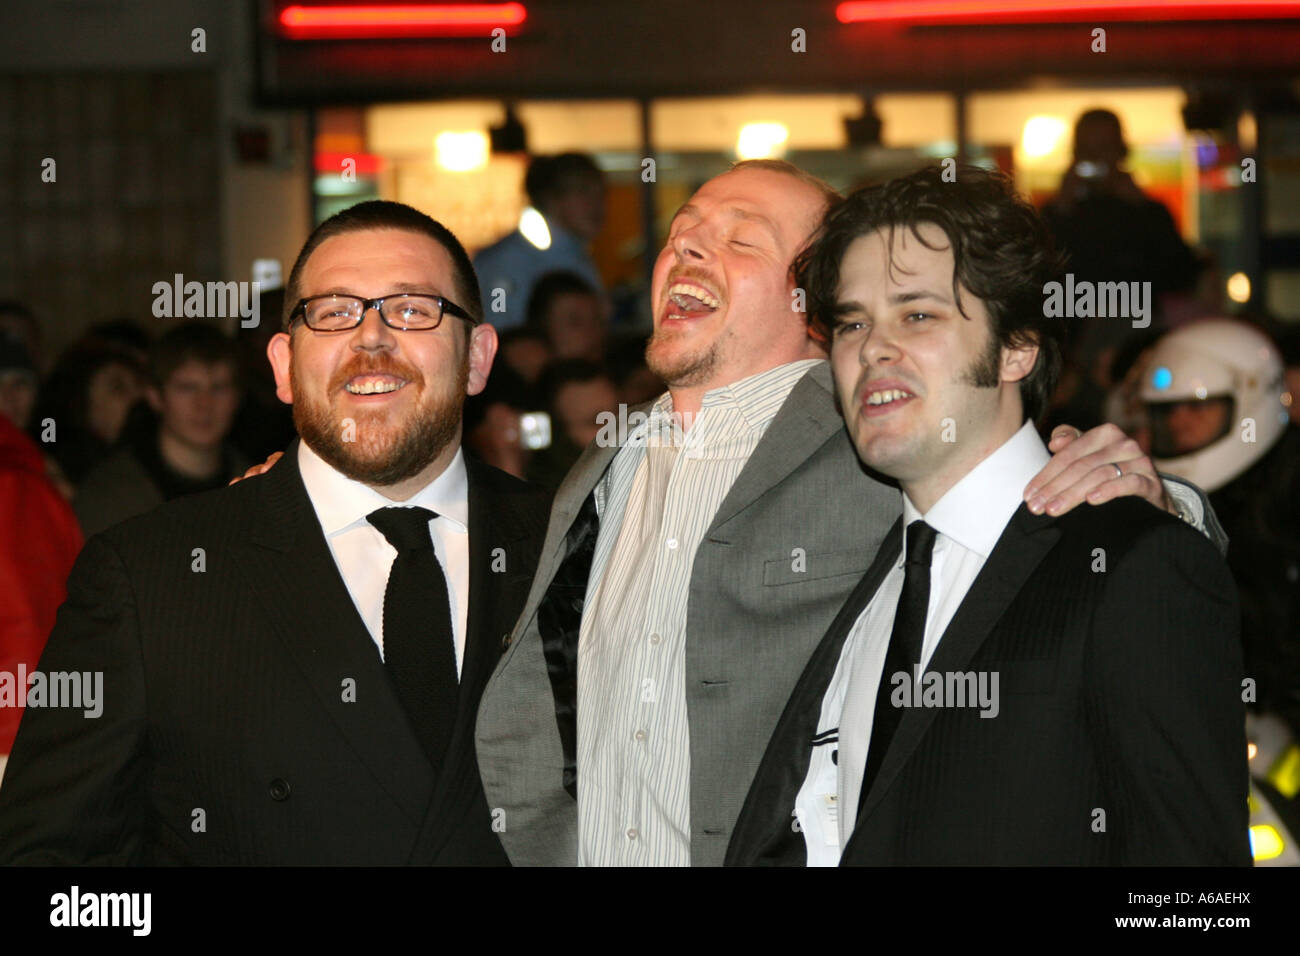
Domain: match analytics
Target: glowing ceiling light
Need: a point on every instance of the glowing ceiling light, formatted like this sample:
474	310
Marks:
761	140
1239	287
532	224
461	152
1042	135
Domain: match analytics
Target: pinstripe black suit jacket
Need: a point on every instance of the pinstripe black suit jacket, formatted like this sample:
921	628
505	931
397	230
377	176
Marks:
1120	738
247	717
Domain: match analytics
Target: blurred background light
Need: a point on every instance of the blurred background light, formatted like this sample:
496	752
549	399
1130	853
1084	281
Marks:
532	225
1239	287
461	152
762	140
1043	135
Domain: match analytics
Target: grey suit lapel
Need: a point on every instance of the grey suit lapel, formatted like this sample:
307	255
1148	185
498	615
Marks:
577	486
806	420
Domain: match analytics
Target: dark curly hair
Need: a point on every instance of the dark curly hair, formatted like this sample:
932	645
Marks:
1002	253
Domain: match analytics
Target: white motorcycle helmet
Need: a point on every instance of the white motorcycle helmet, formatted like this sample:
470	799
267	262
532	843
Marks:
1216	399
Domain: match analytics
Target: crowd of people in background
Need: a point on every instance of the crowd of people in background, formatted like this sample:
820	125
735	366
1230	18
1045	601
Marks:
1214	400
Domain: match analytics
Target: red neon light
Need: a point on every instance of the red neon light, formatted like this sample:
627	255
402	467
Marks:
365	164
395	20
918	12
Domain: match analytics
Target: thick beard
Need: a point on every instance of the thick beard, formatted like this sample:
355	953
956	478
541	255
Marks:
384	453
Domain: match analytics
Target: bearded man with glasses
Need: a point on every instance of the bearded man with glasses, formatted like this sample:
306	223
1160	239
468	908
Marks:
291	666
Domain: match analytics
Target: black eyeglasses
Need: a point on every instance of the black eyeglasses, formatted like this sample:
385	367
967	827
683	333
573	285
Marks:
405	311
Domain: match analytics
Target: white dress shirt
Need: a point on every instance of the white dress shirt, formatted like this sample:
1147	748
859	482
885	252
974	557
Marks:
656	501
969	520
364	556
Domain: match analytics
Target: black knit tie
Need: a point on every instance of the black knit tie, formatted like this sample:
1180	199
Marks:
419	643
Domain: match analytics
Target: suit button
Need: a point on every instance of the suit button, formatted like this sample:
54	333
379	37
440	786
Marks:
279	789
505	641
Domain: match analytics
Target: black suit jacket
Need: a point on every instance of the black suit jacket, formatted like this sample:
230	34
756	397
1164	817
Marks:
247	717
1120	737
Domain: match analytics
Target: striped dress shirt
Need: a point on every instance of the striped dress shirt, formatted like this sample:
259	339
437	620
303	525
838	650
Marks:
655	503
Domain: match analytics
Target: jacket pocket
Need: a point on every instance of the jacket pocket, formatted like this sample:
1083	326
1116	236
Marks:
799	567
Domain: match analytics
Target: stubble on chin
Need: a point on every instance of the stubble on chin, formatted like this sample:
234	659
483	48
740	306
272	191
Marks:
678	368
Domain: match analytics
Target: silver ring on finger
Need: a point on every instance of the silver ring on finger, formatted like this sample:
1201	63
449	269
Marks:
1119	472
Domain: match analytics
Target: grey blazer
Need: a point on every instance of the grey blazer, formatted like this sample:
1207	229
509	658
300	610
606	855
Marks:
793	537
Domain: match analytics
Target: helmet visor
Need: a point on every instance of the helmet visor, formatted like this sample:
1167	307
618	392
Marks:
1182	428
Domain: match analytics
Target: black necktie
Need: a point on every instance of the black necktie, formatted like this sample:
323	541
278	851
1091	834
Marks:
905	643
419	644
559	619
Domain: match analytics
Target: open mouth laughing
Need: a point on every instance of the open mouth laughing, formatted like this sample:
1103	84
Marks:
690	300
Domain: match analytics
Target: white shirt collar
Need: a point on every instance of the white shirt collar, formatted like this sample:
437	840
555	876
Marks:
341	502
975	511
757	397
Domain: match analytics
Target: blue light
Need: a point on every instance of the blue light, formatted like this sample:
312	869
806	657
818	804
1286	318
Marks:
1162	378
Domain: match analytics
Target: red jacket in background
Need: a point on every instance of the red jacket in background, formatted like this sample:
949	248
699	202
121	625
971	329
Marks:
39	541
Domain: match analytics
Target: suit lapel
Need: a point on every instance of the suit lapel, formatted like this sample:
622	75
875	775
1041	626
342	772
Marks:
502	535
763	833
1024	543
576	488
293	577
806	419
498	571
572	494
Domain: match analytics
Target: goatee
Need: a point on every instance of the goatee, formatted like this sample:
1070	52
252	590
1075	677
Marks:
375	448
